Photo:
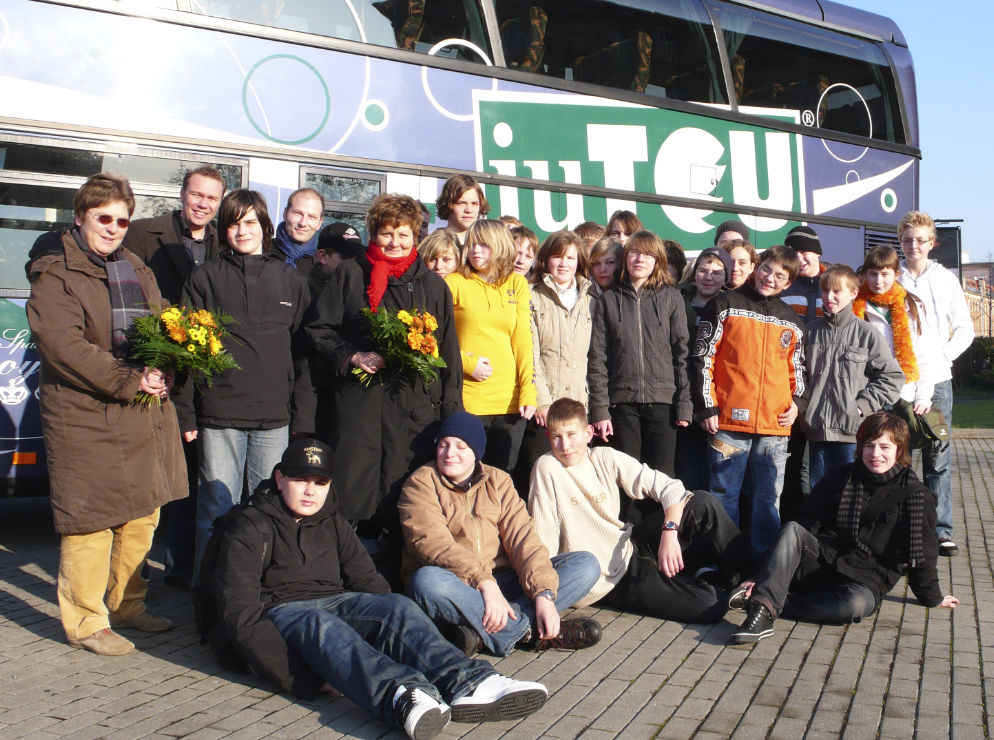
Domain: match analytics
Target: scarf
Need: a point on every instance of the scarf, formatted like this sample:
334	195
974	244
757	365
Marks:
127	299
291	249
384	267
858	487
896	299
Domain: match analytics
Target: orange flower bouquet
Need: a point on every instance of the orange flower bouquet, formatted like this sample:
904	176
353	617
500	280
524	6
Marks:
406	339
184	340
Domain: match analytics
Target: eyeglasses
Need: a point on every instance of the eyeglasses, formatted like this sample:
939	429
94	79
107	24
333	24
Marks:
921	241
105	219
765	271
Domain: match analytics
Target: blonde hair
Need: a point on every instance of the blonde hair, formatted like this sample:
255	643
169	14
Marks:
438	243
916	220
495	235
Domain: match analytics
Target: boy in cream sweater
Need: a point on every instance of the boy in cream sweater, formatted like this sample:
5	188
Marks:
661	568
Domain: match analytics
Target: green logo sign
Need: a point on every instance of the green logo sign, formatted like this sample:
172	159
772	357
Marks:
630	147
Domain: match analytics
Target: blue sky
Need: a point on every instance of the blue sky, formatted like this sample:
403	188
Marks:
950	44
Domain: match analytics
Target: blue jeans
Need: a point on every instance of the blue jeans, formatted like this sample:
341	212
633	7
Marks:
734	455
226	457
935	464
824	455
368	645
446	597
795	582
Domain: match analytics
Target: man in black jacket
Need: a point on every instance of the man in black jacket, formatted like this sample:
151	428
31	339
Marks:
863	525
172	245
301	600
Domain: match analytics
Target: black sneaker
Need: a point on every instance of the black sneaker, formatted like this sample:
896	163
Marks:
421	716
947	547
738	600
757	625
464	638
574	634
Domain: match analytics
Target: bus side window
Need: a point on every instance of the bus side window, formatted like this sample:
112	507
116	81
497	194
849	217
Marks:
523	37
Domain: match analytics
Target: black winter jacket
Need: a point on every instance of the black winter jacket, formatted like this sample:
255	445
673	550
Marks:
159	244
267	558
638	350
881	569
267	300
385	431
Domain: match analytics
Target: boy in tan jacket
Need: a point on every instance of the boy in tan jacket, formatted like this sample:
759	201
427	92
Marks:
472	557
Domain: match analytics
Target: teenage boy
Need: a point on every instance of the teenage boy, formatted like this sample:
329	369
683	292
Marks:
947	330
862	527
474	561
712	272
747	383
654	568
300	599
851	373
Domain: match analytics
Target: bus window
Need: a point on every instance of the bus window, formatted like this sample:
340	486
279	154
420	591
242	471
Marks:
837	82
347	195
416	25
668	53
26	212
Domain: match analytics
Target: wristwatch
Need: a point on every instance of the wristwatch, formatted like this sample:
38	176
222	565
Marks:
671	527
547	594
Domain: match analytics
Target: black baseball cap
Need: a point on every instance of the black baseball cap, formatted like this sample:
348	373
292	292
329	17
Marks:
306	457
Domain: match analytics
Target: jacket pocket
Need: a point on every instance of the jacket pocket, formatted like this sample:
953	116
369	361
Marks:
854	363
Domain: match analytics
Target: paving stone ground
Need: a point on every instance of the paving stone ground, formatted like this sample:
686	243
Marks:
908	672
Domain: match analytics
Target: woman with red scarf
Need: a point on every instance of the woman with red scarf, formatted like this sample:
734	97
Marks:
383	431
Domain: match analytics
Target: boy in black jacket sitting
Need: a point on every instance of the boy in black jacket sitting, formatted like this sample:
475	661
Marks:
301	600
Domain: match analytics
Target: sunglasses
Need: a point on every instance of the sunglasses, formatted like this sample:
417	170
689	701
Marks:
106	220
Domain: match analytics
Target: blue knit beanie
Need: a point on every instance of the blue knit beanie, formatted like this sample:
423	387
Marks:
468	428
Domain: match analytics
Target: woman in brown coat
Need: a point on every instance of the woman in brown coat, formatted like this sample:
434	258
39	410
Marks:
111	462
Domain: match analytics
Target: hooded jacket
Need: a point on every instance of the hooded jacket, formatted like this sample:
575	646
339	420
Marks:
638	350
266	558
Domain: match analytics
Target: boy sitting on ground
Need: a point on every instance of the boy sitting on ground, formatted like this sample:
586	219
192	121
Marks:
660	568
300	599
862	526
473	558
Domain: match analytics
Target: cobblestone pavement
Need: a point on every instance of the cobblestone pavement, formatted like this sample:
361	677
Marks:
908	672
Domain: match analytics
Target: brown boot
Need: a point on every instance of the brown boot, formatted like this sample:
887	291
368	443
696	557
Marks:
104	642
146	622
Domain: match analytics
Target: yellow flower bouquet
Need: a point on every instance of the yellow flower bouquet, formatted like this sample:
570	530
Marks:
406	339
182	339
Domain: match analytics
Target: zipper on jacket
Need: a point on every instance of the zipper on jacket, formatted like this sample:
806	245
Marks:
638	314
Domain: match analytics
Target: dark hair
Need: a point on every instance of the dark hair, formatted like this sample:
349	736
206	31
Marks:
782	256
393	209
555	245
747	246
877	425
233	208
675	256
205	171
303	191
565	410
628	219
99	190
646	242
453	188
886	258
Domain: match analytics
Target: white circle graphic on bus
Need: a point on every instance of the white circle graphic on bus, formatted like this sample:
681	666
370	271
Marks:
503	135
282	67
869	120
888	200
376	115
427	88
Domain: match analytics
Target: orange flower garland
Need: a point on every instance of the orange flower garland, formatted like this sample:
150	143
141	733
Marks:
896	299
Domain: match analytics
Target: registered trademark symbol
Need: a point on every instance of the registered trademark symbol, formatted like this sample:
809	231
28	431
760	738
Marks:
808	118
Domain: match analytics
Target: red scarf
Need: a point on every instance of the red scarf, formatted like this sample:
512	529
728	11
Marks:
384	267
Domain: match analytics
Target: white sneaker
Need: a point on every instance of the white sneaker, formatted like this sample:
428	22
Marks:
421	716
498	698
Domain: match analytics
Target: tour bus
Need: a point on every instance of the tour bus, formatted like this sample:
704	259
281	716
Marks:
688	112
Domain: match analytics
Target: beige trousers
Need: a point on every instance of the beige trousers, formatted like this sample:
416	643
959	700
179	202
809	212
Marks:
100	576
